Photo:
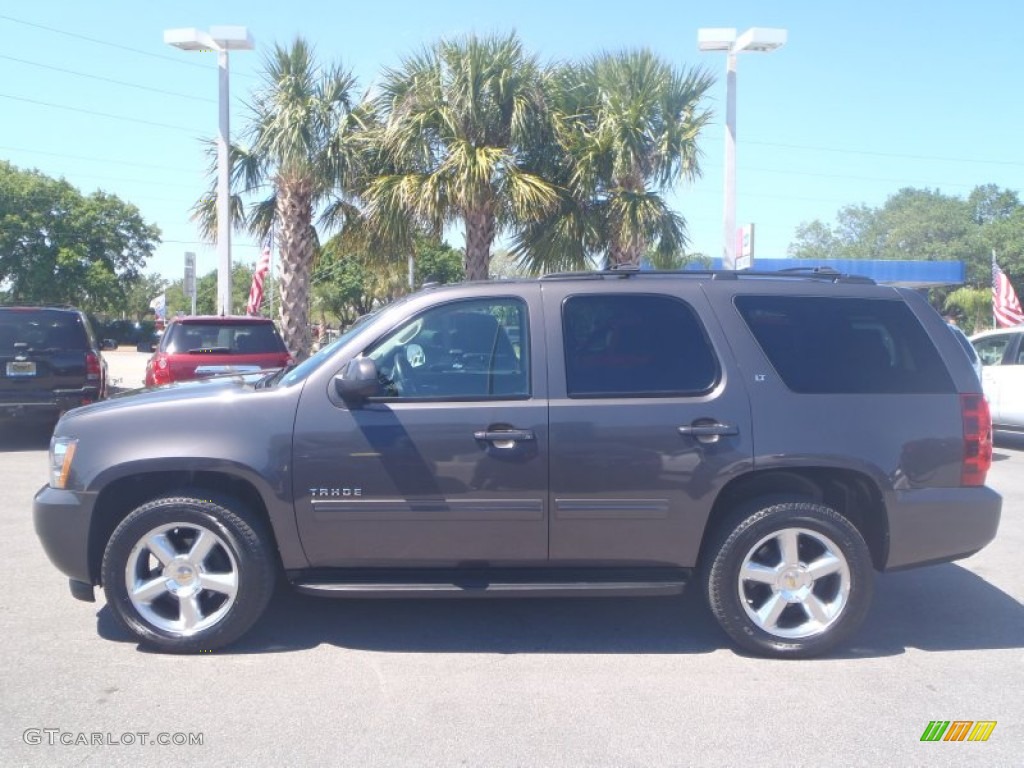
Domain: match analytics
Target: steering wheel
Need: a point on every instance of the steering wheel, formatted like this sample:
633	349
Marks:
402	375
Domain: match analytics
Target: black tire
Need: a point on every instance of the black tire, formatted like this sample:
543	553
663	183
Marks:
781	607
212	580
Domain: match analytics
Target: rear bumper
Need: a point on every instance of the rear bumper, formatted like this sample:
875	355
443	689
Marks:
62	520
935	525
46	404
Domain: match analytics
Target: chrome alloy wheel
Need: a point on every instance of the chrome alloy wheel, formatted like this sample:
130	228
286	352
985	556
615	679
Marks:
181	578
794	583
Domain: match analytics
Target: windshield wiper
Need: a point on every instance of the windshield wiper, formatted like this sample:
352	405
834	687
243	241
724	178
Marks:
273	377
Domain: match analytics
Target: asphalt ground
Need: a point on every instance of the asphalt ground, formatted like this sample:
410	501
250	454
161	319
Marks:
600	682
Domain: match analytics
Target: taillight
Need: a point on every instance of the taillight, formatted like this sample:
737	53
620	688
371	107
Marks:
161	370
92	366
977	423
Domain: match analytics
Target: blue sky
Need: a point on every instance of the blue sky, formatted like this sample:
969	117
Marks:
867	97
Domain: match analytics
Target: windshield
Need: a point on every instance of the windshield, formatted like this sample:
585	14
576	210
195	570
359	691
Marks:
310	364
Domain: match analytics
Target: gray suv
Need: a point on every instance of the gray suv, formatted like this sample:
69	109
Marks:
774	437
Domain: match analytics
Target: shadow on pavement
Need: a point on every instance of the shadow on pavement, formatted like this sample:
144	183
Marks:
1011	440
17	436
939	608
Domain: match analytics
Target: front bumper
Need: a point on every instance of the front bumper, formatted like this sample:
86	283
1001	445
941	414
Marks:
935	525
62	520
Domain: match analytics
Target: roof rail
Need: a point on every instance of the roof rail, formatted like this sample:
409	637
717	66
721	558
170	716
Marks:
826	274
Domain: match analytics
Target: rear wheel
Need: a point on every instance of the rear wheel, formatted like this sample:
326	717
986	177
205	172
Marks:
789	579
184	573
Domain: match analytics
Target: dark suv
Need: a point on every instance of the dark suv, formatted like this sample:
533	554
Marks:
50	362
775	437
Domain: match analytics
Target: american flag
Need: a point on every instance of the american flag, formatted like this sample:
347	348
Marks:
1005	304
262	267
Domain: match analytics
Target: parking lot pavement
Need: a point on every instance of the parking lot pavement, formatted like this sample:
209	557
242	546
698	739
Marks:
641	682
126	367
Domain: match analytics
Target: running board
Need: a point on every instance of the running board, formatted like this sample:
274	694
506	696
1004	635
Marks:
497	583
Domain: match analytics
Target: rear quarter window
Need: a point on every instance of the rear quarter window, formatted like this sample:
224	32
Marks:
826	345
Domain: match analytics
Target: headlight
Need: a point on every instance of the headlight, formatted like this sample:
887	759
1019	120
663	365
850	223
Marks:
62	453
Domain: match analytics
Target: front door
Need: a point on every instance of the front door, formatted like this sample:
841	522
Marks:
449	465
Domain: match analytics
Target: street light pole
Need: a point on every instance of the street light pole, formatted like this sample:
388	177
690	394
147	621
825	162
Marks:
755	39
221	40
223	188
729	204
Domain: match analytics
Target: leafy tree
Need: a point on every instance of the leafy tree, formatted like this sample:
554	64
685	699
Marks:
60	246
436	261
974	306
456	122
206	292
506	265
928	225
303	142
626	126
352	279
139	292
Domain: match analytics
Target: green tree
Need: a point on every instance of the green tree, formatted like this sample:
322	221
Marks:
457	120
436	261
927	225
206	292
303	142
139	292
60	246
627	126
974	305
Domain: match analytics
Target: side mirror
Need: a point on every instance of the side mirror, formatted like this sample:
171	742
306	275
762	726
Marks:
146	346
358	381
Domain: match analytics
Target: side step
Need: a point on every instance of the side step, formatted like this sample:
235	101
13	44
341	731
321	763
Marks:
512	582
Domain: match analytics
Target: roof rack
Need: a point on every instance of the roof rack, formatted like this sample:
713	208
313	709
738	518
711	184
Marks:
826	274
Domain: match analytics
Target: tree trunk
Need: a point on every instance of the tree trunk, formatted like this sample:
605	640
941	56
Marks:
480	227
295	244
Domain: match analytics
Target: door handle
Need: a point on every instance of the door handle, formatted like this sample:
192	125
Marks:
708	432
505	435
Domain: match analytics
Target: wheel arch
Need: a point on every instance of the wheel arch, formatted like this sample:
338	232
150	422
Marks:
851	493
119	497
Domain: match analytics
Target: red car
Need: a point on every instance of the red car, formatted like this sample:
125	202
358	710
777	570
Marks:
198	346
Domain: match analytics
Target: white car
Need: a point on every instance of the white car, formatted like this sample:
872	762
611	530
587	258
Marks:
1002	375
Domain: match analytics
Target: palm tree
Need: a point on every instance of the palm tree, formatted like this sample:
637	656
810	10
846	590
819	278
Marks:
456	120
627	126
302	145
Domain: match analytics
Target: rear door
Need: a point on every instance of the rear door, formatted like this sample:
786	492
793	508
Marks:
647	420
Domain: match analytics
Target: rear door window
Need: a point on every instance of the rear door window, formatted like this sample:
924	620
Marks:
635	345
825	345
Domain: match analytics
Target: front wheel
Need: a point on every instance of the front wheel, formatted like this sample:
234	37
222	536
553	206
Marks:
185	573
791	579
